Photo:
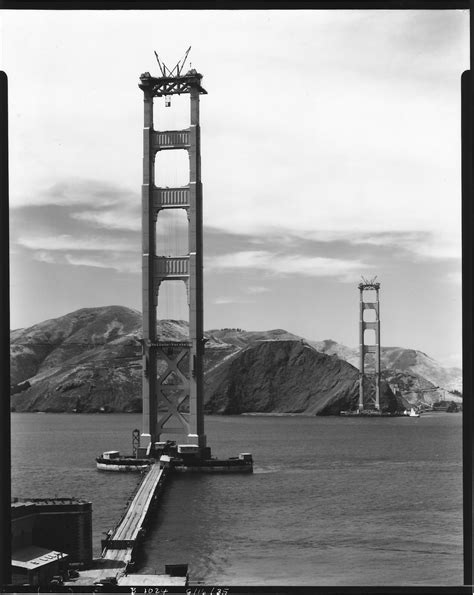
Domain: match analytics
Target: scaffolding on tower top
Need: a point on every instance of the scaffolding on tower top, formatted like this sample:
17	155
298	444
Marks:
369	283
172	81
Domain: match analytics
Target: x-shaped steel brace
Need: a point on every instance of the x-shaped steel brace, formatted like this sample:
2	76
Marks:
172	366
173	411
173	401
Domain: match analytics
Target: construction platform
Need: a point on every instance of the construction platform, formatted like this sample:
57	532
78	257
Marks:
180	457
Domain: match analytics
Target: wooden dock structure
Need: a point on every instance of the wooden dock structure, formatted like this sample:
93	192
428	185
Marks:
120	545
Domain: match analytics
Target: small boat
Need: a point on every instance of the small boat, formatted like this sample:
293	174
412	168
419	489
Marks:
411	413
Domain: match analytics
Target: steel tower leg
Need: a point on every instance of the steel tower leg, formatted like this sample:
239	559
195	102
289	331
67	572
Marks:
149	289
195	295
361	352
377	351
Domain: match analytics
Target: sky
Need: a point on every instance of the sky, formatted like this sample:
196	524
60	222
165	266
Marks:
330	149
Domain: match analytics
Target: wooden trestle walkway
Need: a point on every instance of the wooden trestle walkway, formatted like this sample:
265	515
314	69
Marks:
122	542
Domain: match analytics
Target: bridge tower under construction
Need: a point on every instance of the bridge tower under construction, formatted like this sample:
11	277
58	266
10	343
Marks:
168	392
369	401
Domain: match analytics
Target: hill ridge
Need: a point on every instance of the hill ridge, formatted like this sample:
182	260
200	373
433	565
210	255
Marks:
91	359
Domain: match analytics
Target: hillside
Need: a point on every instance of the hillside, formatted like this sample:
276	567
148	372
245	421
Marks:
286	377
90	360
417	362
85	360
399	359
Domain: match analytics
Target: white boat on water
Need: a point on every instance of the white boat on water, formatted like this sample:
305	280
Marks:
411	413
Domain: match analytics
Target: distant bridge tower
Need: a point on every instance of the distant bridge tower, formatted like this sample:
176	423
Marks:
366	402
165	395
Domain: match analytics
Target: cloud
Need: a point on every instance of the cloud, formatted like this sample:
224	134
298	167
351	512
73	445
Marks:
230	300
76	191
347	148
111	206
123	263
120	254
124	218
70	242
284	264
421	243
44	256
256	289
56	229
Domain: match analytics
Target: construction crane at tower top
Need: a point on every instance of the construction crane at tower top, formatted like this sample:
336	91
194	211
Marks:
173	81
176	71
369	283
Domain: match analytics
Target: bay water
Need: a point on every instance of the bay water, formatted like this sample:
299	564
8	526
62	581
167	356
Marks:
332	500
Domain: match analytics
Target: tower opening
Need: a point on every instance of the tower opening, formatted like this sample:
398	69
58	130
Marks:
172	168
172	233
174	116
369	337
172	304
370	315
